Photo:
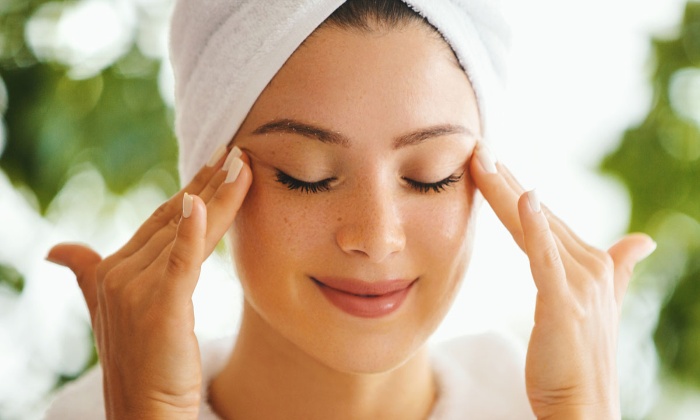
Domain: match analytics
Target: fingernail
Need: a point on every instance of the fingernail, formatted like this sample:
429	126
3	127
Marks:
187	203
486	159
534	201
234	153
649	251
234	169
216	155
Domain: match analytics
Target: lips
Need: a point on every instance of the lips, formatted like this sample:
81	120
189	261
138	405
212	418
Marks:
365	299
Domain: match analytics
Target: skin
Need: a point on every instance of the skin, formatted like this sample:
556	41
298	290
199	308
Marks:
371	225
289	362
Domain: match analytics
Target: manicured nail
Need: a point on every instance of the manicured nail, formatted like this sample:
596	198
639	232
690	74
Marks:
534	201
234	153
216	155
649	251
187	203
486	159
234	169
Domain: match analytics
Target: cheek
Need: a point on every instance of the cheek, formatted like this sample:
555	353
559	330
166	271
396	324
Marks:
443	224
443	240
273	231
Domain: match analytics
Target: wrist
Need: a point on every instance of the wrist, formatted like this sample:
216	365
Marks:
153	409
136	403
153	413
581	412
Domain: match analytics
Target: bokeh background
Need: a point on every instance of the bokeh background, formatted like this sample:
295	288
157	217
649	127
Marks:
602	115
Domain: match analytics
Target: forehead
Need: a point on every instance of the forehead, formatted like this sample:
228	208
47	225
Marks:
389	80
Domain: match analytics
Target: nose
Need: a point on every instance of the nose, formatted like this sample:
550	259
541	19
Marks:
371	227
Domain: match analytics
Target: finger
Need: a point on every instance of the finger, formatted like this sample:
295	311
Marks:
577	247
163	238
82	261
224	205
210	190
500	196
626	253
186	255
541	247
556	224
222	208
169	212
503	191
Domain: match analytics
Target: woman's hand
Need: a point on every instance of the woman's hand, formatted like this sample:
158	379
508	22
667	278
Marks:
140	298
570	369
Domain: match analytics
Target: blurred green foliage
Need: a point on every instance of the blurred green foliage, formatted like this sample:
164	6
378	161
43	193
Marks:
659	163
11	279
115	121
57	125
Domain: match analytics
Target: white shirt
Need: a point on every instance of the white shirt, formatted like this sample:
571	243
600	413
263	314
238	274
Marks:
478	377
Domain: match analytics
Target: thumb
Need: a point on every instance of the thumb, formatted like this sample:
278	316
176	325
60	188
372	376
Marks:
82	261
626	253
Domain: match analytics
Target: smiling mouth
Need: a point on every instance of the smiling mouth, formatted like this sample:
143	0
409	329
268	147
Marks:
365	299
369	296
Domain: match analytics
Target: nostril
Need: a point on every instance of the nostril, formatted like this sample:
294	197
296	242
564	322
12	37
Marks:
373	242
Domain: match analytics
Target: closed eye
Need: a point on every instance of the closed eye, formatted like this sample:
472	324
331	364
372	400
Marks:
303	186
324	185
440	186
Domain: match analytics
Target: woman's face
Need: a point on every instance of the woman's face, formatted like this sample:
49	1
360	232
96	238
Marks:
359	150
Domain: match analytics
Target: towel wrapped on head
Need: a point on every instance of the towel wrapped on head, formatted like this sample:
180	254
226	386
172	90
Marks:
225	52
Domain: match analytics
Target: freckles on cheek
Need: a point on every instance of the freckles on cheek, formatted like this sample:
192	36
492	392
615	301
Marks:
279	220
446	222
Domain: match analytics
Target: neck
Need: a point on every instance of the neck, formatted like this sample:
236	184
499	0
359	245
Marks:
269	377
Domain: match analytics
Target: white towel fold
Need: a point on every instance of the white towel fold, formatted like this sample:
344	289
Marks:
224	53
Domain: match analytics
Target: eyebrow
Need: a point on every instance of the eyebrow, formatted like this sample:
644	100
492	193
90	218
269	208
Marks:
289	126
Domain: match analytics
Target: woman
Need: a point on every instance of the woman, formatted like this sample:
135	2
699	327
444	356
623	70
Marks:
349	194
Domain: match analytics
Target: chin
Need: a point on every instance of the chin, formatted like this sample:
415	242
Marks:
369	359
369	350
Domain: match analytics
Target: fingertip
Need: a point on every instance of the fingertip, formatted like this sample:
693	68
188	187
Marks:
235	152
60	253
534	222
73	256
192	206
194	213
54	255
648	247
529	203
234	170
533	201
485	162
637	246
240	172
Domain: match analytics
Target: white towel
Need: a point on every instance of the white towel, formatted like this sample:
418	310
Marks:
224	53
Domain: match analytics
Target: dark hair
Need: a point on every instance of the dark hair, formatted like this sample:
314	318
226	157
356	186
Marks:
370	15
381	15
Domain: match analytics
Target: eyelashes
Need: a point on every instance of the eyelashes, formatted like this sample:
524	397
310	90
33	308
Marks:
306	187
440	186
324	185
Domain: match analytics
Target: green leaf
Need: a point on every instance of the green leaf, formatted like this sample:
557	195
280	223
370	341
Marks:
11	279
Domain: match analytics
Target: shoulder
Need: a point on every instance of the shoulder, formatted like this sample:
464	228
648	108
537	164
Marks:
84	399
481	376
